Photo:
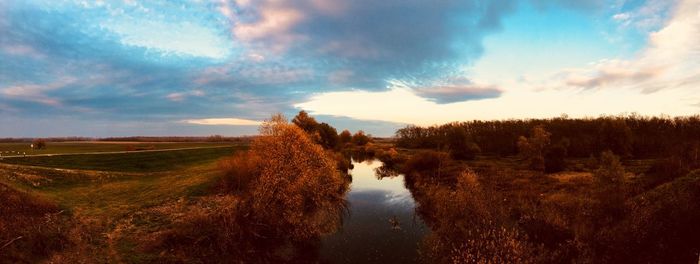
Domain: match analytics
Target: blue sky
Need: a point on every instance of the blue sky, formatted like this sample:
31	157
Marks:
189	67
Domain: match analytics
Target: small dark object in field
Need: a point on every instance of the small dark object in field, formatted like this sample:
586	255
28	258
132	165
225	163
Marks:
394	222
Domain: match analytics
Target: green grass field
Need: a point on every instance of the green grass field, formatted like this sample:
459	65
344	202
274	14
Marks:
108	182
100	146
129	162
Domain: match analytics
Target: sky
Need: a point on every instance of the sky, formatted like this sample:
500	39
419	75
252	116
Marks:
197	67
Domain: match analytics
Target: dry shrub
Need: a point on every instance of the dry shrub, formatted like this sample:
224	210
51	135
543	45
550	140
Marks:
343	162
468	225
533	148
390	157
31	228
431	167
609	192
204	231
299	191
239	171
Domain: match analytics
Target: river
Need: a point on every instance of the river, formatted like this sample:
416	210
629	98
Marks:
381	227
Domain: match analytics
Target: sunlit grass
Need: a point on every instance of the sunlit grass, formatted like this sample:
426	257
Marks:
130	162
100	146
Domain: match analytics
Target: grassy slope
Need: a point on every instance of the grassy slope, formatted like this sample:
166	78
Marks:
81	147
129	162
99	200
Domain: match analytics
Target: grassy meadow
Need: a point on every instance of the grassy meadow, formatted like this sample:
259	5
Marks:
7	149
148	161
94	193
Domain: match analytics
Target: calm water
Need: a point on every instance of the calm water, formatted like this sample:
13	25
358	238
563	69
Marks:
382	226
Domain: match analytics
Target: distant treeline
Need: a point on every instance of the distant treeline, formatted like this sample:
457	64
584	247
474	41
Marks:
632	136
52	139
213	138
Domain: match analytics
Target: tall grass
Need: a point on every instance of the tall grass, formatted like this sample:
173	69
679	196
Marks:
31	228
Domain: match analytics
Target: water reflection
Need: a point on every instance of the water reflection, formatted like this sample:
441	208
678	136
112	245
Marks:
382	226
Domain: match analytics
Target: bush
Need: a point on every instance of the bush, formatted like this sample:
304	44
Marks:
609	183
532	148
239	171
328	136
469	226
39	143
468	151
425	161
299	192
430	167
360	139
305	122
345	137
389	157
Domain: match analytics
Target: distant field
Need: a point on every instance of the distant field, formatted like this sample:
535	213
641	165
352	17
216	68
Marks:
101	146
131	161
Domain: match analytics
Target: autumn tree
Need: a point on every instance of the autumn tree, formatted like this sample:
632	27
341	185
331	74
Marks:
327	136
609	182
345	137
305	122
298	190
360	138
532	148
459	144
615	135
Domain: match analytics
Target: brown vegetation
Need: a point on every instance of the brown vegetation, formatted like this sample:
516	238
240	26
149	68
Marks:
514	216
286	191
31	228
39	143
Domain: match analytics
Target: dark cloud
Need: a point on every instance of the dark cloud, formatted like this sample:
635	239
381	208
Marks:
374	41
459	93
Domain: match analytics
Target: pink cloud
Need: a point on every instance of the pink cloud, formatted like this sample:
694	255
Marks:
37	92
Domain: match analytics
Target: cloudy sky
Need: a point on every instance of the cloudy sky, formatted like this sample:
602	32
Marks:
118	68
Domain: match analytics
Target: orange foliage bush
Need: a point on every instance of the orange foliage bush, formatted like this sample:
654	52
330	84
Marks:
239	171
299	189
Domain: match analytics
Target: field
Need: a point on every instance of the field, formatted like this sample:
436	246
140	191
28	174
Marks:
139	161
96	192
7	149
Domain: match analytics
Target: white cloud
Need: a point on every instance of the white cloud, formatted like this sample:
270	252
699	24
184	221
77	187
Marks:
671	59
403	106
223	121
